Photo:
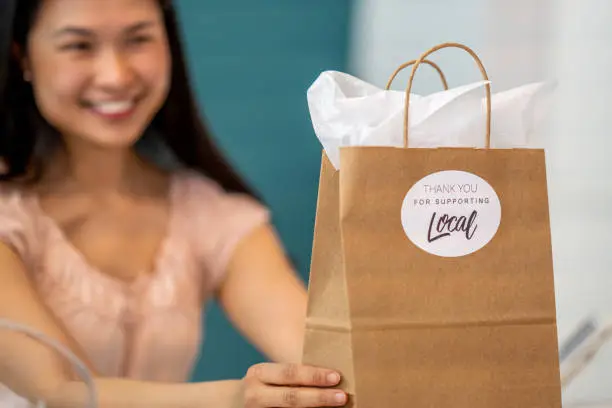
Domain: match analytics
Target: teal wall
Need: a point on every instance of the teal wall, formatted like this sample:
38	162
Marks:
252	62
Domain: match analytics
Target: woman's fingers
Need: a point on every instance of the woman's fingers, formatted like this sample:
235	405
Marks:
293	374
292	386
293	397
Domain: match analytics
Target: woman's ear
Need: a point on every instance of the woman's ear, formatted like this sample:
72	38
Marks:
19	55
27	75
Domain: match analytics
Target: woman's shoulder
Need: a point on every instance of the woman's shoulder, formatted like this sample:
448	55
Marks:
216	219
202	198
196	184
204	191
17	220
12	198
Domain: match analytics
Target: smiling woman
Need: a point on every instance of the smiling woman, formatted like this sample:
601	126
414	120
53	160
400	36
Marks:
105	100
113	254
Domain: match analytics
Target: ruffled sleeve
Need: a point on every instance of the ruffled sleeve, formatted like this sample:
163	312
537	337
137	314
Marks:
17	224
219	221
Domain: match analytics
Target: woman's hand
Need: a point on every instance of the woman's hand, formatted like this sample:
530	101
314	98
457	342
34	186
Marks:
290	385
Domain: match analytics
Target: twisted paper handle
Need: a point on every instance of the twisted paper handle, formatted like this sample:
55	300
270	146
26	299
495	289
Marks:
421	60
409	63
78	365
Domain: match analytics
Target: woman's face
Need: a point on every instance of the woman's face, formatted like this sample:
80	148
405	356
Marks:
100	69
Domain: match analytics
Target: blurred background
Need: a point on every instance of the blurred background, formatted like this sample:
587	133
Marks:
252	62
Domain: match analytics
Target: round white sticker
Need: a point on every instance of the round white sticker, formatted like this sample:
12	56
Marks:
451	213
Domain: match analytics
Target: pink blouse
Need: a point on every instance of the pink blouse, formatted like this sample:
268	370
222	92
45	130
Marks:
149	329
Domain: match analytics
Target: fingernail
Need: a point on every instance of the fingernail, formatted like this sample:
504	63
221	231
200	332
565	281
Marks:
340	397
333	378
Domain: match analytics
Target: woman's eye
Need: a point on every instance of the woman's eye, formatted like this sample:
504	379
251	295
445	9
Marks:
141	39
78	46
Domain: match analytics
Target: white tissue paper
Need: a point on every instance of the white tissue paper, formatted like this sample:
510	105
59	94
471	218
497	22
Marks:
347	111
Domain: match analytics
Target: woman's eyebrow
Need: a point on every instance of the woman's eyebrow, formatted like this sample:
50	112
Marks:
73	30
85	32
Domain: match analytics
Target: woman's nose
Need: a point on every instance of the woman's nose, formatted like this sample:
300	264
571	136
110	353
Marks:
113	71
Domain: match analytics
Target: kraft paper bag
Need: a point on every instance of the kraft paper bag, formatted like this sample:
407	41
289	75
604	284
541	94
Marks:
431	282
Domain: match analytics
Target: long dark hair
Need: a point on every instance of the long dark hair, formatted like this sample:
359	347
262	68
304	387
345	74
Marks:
177	127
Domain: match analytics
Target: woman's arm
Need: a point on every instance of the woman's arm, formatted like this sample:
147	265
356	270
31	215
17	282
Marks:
120	393
36	372
264	297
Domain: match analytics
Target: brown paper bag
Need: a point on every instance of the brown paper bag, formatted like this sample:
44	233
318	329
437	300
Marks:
431	282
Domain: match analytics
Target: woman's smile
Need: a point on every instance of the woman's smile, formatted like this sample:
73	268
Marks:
117	109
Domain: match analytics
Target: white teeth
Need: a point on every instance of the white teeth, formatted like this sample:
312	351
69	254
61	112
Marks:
113	108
